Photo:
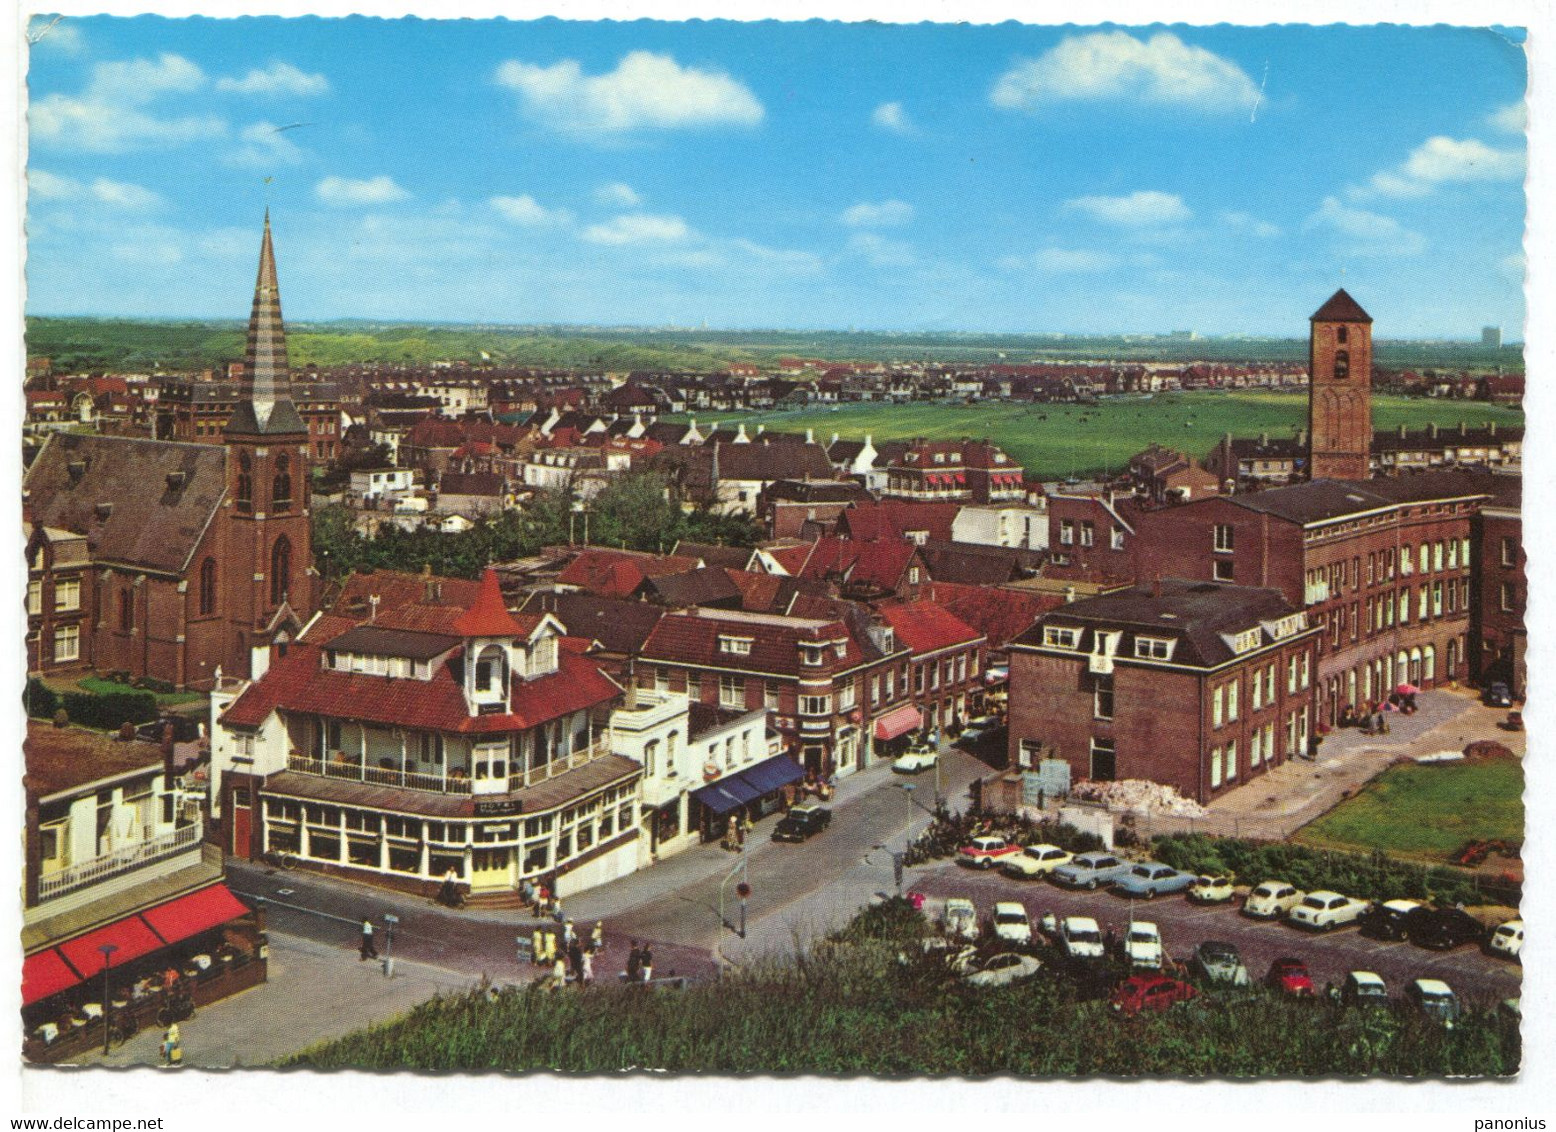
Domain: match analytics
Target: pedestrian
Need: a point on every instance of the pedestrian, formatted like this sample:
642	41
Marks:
542	899
368	950
634	962
575	960
448	895
558	974
172	1047
551	948
647	959
556	910
597	937
586	969
527	891
537	946
567	934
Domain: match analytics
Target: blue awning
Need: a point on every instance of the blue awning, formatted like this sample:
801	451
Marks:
773	774
726	794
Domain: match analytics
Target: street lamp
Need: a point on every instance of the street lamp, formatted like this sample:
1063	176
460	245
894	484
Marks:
107	949
907	833
390	920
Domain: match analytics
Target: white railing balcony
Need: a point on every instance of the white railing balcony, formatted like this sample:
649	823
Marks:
380	776
120	860
560	765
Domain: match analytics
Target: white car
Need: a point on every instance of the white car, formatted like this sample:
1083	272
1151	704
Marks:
1081	938
1507	940
1325	911
1143	945
961	918
1212	888
1035	861
1271	900
1003	969
915	759
1011	923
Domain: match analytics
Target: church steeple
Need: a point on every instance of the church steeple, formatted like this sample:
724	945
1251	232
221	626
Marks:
265	400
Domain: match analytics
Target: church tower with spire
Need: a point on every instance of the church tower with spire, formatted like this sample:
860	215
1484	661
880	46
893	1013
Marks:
1340	390
269	565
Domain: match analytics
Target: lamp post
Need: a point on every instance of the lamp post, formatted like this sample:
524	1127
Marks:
907	832
390	920
107	949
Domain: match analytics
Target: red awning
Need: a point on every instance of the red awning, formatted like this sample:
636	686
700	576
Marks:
130	935
899	721
44	974
194	913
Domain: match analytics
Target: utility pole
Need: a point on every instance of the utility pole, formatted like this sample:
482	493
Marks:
107	949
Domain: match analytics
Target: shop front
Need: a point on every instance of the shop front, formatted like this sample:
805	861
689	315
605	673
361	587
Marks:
161	962
751	794
894	731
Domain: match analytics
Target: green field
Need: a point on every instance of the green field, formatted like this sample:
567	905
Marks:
1054	441
1428	811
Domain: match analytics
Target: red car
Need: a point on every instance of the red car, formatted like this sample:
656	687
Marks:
1150	992
985	852
1289	976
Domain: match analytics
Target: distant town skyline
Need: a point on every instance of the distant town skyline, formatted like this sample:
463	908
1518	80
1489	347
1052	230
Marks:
928	178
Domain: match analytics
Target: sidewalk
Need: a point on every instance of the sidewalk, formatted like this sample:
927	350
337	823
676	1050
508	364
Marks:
315	992
1278	803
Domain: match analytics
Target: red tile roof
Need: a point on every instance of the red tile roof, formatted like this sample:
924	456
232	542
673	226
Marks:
926	627
488	615
791	558
1000	615
614	573
692	637
894	518
880	562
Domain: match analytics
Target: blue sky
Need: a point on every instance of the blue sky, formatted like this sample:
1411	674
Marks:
1006	177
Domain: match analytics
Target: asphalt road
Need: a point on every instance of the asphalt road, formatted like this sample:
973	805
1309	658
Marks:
1476	977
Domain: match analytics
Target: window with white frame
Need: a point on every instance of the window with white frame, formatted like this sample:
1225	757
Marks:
1306	669
67	594
35	596
67	642
1088	533
1508	598
1222	570
847	696
1102	697
735	646
1255	692
1233	694
1218	706
1256	747
1223	538
815	705
1231	760
1116	538
1061	636
1066	532
1155	648
732	691
1215	767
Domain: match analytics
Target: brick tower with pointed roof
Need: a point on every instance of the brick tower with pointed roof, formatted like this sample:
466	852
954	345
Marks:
269	564
1340	390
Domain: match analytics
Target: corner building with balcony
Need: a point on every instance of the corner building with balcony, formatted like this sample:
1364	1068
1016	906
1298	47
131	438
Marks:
1198	686
418	729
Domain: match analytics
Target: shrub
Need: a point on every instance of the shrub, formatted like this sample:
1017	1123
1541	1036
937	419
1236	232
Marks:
41	700
107	712
153	684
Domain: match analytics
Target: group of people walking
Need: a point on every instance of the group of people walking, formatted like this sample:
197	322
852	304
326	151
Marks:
570	958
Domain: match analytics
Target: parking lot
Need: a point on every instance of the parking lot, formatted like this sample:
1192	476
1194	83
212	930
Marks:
1477	977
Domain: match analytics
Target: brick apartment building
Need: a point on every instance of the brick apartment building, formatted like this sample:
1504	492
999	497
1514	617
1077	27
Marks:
1500	590
971	470
946	654
1197	685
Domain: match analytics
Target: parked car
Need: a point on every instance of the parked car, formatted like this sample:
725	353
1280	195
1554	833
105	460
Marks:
1002	970
1325	911
961	918
1435	999
1149	879
1363	988
1499	695
1035	861
919	757
1211	888
1090	870
1220	962
1387	919
186	728
985	852
1507	940
1080	937
1289	976
1143	945
1150	993
1011	923
801	821
1443	929
1271	900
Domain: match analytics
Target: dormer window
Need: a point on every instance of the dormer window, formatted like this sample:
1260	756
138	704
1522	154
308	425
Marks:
1154	648
812	655
1061	636
735	646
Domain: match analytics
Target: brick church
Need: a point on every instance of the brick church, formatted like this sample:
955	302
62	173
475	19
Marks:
174	560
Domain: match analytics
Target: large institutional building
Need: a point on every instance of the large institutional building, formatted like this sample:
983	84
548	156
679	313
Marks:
174	560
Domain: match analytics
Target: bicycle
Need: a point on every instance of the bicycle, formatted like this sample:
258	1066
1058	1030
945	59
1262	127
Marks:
179	1007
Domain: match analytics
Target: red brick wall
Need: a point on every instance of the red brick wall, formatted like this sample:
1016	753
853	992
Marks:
1340	409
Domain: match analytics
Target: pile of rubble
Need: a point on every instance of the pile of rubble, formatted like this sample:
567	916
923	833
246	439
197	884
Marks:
1137	796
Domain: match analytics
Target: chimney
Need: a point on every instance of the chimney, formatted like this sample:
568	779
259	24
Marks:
1156	586
175	481
1492	428
1431	431
1302	438
372	608
1264	440
77	469
1402	432
834	439
427	587
1463	428
810	436
1069	594
104	510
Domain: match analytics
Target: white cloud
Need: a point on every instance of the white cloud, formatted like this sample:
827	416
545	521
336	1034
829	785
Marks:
346	192
108	116
639	228
46	186
1143	209
645	91
891	116
786	258
530	213
1243	222
279	79
1514	266
1366	233
1061	261
1114	65
618	194
265	146
54	34
1438	161
1510	119
881	251
886	214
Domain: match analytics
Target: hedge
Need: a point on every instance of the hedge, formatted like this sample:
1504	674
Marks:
110	710
42	701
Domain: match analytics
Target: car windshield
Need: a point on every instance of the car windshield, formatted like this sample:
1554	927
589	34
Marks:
1010	917
1140	935
1086	935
